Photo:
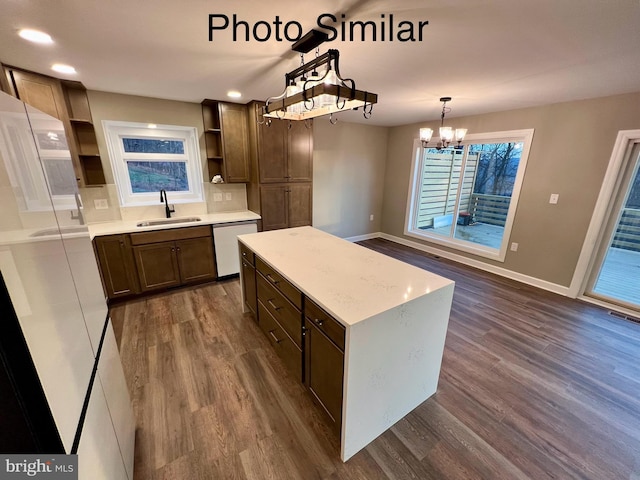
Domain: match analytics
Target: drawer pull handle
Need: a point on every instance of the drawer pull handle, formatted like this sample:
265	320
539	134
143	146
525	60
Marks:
272	280
318	322
273	335
273	305
244	254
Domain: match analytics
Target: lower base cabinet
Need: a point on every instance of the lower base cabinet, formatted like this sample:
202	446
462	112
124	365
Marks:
154	260
309	341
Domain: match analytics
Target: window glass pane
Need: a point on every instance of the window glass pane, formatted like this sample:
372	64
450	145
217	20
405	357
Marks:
60	175
438	190
152	145
156	176
490	175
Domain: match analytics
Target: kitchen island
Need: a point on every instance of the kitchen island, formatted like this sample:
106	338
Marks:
394	319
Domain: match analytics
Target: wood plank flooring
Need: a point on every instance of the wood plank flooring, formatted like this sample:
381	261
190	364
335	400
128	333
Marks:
533	386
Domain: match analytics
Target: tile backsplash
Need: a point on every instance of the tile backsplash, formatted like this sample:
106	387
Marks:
218	198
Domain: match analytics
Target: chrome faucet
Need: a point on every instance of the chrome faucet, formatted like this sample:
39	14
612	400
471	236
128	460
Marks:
167	210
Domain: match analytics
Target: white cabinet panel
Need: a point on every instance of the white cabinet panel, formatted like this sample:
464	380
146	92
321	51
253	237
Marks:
117	396
98	453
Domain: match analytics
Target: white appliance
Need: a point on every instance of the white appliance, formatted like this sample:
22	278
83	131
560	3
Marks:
225	241
53	289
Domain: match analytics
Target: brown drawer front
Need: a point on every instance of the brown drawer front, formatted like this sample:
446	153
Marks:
170	235
325	322
247	254
289	291
282	310
288	351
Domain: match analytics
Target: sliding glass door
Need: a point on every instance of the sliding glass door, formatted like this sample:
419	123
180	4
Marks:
616	275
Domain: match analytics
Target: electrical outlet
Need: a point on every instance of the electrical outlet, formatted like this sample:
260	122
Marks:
217	197
101	203
514	247
371	217
554	198
228	196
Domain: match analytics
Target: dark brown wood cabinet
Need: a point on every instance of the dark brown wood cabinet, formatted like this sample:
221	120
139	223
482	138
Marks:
66	100
168	258
249	280
281	171
324	361
117	265
284	206
227	140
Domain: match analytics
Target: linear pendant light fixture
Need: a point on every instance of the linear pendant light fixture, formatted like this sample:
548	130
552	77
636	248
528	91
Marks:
446	133
316	88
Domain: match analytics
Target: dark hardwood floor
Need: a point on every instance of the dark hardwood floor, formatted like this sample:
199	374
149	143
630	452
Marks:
533	386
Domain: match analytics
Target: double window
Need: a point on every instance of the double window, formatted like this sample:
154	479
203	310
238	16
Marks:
466	198
147	159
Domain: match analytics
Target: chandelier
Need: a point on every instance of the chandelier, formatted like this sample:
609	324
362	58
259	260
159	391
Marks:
447	134
316	88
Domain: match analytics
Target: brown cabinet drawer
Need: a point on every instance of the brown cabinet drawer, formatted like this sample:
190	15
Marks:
282	310
325	322
286	349
247	254
170	235
278	281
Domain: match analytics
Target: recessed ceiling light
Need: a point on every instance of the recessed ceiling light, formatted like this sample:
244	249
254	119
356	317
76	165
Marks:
60	68
233	94
35	36
152	125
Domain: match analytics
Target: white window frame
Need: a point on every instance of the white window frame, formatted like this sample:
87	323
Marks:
115	131
526	137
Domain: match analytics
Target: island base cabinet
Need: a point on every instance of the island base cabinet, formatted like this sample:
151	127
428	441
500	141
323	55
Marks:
286	349
324	371
249	287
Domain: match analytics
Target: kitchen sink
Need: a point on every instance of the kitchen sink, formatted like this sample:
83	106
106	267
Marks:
168	221
62	230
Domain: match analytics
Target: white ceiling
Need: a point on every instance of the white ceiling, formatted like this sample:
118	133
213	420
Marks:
489	55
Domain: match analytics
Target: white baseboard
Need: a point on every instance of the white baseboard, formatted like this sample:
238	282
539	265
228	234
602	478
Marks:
503	272
366	236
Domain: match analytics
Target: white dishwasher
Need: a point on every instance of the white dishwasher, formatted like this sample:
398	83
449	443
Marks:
225	242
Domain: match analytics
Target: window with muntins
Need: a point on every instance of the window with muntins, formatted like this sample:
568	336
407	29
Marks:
148	159
466	197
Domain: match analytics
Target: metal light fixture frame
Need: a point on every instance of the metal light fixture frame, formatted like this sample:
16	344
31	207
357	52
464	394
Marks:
347	97
446	133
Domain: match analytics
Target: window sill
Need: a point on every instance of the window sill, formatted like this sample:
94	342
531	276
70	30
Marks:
460	245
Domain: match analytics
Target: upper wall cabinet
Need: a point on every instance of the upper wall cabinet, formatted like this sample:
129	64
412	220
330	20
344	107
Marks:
67	101
285	150
227	140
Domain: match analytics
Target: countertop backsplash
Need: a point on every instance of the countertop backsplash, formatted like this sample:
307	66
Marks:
218	198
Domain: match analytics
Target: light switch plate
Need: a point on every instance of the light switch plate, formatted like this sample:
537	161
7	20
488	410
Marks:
554	198
217	197
228	196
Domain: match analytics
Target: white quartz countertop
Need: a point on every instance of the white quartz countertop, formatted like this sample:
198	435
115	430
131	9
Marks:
130	226
351	282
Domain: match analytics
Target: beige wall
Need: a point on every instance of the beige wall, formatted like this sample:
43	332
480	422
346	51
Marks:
348	177
569	155
130	108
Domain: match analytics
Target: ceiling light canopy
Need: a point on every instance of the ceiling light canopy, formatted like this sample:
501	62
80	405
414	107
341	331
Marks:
447	134
61	68
316	88
35	36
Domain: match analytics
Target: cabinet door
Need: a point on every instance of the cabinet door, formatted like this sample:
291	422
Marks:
323	372
41	92
157	265
117	266
272	151
249	286
299	204
273	206
195	259
300	152
235	142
